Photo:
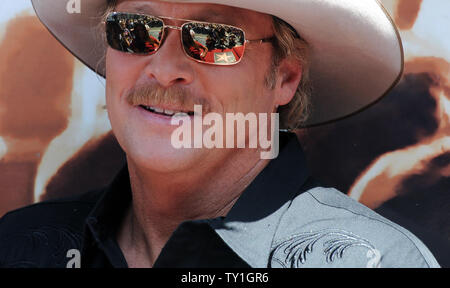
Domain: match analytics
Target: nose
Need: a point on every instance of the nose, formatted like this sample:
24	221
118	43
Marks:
169	65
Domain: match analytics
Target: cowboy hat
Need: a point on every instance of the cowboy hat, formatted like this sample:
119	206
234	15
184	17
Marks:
356	57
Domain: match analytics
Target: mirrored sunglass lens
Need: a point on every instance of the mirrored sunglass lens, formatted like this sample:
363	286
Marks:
213	43
134	33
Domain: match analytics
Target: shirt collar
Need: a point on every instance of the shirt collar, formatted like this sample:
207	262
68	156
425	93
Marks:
104	220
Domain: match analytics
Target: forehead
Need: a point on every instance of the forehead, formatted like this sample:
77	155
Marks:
251	21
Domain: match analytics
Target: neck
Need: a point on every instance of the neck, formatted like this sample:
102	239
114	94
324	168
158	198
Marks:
162	201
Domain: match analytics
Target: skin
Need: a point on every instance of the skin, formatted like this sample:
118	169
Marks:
170	186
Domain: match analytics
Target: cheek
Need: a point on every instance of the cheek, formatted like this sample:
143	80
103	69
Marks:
262	97
250	92
235	89
255	67
122	70
120	75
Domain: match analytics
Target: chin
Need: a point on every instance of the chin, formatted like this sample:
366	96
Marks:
157	154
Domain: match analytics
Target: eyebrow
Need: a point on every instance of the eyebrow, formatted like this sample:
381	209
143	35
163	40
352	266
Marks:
209	15
139	8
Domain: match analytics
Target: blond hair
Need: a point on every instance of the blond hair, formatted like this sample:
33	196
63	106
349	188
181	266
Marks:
287	44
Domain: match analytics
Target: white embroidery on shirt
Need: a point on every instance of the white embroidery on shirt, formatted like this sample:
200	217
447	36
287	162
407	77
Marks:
292	252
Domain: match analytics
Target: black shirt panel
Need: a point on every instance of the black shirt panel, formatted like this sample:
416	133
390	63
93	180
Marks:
41	235
196	244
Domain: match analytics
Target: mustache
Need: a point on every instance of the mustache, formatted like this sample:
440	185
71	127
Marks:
175	96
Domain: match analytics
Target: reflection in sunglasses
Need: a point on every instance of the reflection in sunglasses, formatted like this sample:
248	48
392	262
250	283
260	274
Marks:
138	35
213	43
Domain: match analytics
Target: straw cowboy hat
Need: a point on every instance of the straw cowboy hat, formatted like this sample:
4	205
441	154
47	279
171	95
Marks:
357	54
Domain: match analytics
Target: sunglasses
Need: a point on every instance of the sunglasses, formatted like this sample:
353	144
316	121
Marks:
204	42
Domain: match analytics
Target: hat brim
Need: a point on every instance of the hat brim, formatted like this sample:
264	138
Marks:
356	50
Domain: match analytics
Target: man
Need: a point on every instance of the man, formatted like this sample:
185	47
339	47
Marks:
220	207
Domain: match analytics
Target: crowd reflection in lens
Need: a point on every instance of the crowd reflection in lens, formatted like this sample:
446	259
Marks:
213	43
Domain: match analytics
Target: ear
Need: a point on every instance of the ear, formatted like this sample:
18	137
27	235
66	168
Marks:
288	79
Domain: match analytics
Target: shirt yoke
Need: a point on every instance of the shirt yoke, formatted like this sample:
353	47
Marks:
325	228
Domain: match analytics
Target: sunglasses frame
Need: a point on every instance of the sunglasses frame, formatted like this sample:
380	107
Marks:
180	28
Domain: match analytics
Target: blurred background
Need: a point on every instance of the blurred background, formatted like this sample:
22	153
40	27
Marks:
55	138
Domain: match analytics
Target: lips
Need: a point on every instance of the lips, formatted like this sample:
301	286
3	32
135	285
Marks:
166	112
